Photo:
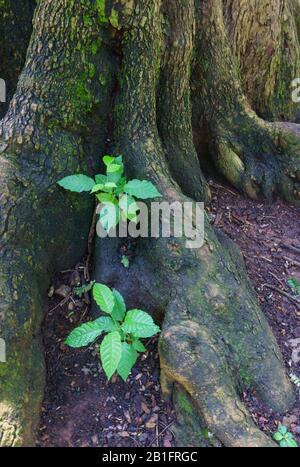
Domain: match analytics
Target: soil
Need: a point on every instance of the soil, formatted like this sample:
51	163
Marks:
81	409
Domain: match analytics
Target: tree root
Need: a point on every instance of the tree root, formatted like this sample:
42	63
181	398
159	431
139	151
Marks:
215	340
260	159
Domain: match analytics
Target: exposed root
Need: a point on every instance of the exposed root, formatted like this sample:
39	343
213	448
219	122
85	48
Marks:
215	339
259	158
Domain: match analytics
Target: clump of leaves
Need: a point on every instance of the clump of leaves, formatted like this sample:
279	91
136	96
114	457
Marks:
294	284
124	329
295	380
284	438
117	195
80	290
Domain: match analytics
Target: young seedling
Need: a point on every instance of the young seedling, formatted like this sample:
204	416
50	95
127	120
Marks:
284	438
117	195
124	329
294	284
81	290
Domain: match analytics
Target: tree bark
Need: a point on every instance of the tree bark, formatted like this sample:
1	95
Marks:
215	340
265	39
152	74
15	31
55	125
259	158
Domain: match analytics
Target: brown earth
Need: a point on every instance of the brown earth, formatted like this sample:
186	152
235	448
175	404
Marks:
81	409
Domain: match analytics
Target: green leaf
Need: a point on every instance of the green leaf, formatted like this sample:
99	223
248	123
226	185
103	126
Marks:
140	324
107	323
283	444
141	189
108	160
278	436
83	289
77	183
104	297
129	207
294	285
107	198
114	168
282	429
119	310
128	359
86	333
101	179
109	216
139	346
110	185
120	187
125	261
292	443
97	187
110	353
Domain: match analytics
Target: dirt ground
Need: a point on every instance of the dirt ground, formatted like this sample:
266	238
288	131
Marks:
81	409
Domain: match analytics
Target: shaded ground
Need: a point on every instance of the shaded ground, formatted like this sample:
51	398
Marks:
269	237
81	409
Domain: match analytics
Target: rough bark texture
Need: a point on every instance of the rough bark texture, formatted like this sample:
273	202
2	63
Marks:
215	340
55	126
260	159
264	37
141	59
15	31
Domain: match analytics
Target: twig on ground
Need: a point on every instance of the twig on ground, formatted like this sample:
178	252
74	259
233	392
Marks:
275	277
292	261
282	292
291	247
61	303
214	184
161	433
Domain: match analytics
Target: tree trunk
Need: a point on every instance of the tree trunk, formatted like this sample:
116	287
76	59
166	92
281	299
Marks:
15	31
158	75
260	159
55	125
265	39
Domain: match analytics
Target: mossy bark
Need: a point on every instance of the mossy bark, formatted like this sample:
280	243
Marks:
264	38
55	126
215	339
15	32
142	59
261	159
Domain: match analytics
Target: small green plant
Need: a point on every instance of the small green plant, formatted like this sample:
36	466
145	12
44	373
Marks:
295	380
284	438
294	284
121	345
118	195
125	261
80	290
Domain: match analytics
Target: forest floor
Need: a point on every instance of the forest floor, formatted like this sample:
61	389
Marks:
81	409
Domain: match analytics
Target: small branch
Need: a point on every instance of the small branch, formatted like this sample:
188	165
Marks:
161	433
282	292
292	261
61	303
291	247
